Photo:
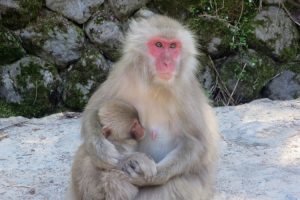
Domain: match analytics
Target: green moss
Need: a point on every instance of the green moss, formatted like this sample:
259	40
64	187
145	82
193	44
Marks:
291	66
10	47
290	53
16	19
7	110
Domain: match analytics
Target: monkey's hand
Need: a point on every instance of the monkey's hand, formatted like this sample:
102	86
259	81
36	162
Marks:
183	159
103	153
139	168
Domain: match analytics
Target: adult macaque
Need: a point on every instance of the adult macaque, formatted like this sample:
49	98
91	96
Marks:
156	74
120	125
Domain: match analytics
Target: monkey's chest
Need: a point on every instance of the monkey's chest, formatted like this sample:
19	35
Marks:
157	143
160	122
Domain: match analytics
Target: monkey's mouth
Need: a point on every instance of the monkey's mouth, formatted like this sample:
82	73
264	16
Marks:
165	76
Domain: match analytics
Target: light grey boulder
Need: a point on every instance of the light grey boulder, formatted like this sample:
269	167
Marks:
274	31
106	34
77	10
32	84
286	86
54	38
123	9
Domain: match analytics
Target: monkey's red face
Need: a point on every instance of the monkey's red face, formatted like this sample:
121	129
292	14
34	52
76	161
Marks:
166	54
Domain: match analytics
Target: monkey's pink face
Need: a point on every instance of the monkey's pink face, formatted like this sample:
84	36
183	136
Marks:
166	54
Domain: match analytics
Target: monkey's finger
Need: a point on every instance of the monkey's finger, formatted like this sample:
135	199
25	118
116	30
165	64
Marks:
150	173
130	172
131	168
149	169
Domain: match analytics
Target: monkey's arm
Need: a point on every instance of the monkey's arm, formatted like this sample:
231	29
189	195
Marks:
182	159
102	152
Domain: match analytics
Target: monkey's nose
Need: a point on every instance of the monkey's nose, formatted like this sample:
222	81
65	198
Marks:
167	63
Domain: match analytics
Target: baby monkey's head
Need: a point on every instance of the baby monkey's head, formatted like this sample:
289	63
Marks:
120	121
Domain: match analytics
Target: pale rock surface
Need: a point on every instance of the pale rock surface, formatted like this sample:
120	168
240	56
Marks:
259	153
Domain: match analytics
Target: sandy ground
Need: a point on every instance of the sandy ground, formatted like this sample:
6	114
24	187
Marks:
259	153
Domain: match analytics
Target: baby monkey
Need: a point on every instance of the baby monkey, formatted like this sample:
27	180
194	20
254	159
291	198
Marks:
120	126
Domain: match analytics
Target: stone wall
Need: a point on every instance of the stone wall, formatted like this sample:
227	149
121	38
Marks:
54	54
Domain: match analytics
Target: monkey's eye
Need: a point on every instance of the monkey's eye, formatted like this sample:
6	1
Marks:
173	45
159	44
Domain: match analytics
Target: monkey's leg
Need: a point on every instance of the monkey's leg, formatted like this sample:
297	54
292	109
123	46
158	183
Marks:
92	183
97	184
186	187
117	187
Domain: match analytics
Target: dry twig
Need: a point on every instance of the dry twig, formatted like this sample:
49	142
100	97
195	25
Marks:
289	14
236	84
219	80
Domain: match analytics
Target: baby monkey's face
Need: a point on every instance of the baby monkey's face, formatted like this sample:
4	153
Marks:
123	131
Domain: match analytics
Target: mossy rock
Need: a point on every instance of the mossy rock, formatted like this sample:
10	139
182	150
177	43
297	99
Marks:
246	74
83	78
10	47
54	39
20	13
274	34
107	34
31	85
214	35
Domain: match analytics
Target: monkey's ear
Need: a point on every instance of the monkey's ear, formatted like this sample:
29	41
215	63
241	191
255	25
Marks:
106	132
